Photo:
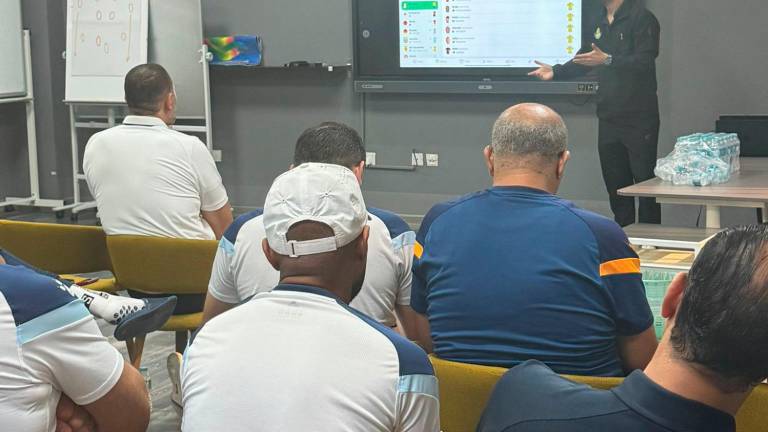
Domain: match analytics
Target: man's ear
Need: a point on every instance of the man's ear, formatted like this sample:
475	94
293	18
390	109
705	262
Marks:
170	102
362	243
359	169
272	256
674	296
561	164
489	159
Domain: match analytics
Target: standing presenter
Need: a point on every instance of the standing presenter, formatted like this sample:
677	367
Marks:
622	42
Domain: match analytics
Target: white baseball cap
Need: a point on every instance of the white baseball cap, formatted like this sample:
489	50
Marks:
329	194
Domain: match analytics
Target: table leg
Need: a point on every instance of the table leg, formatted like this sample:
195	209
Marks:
713	216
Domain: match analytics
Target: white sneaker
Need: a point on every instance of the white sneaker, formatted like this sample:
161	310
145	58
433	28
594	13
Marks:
174	373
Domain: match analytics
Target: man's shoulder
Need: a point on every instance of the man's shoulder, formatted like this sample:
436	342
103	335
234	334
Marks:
440	210
249	219
412	359
610	237
548	398
645	16
38	304
393	222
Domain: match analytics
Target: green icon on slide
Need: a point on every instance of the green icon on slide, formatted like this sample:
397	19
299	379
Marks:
420	5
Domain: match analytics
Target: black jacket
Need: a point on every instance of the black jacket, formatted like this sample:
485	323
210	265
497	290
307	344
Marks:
628	86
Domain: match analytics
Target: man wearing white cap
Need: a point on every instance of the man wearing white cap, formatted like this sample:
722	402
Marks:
298	358
241	270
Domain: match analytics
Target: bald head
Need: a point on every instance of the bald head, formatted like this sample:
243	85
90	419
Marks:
529	132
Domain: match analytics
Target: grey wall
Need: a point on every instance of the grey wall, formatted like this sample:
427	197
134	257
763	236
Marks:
712	63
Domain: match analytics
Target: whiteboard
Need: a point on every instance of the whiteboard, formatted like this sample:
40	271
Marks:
105	40
177	48
12	81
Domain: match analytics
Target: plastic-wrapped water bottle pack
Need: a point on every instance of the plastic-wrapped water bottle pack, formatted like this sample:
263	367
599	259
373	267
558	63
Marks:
701	159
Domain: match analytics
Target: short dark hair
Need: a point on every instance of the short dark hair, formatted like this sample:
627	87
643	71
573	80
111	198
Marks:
145	87
330	143
721	321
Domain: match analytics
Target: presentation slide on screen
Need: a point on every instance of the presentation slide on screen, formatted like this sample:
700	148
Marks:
488	33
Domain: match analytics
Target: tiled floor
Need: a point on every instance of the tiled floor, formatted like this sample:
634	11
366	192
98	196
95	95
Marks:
166	417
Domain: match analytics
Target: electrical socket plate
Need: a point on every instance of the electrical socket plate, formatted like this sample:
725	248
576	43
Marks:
370	159
417	159
217	155
433	160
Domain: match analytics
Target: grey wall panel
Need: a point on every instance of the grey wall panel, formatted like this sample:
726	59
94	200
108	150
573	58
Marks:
292	30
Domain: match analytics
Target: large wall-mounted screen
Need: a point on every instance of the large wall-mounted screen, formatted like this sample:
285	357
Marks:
487	33
463	39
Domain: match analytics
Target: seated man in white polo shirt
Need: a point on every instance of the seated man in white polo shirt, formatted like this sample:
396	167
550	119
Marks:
241	269
150	180
56	367
298	358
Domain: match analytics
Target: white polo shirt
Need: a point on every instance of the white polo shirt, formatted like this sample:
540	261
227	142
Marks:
49	345
298	359
241	270
150	180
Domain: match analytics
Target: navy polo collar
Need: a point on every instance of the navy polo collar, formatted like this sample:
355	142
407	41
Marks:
667	409
308	290
518	190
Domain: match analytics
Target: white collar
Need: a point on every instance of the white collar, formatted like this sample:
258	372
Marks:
134	120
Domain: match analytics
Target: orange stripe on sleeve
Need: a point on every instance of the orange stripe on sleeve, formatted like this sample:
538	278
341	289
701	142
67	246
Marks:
621	266
418	250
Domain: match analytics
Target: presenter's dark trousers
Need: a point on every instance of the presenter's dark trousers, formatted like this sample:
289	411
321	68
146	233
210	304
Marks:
628	150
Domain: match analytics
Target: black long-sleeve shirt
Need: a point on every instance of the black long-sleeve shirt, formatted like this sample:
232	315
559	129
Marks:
628	87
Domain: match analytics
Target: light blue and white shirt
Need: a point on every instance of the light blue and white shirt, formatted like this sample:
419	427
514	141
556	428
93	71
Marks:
299	359
49	345
241	270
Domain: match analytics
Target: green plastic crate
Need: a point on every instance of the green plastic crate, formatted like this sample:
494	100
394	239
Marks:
656	284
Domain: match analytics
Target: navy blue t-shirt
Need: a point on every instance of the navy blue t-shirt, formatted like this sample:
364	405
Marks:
532	398
512	274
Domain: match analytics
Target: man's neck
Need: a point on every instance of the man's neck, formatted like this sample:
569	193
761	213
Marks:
682	379
612	6
526	179
317	283
158	115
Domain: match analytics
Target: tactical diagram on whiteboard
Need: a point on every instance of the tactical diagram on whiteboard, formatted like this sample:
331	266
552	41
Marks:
105	39
106	32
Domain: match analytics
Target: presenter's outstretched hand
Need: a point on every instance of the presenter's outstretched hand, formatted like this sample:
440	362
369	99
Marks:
544	72
596	57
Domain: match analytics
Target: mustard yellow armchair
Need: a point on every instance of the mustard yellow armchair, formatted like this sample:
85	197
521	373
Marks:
162	266
62	249
466	388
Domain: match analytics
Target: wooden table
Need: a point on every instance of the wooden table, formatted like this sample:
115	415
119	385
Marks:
746	189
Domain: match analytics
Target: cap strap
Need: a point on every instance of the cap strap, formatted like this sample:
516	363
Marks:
311	247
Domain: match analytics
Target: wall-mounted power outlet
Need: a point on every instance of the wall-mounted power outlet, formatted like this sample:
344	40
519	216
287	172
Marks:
370	159
217	155
433	160
417	159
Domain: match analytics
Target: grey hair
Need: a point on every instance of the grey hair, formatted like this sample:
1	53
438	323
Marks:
515	137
